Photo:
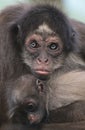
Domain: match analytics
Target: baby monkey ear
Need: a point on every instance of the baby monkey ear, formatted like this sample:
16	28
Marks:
73	34
40	85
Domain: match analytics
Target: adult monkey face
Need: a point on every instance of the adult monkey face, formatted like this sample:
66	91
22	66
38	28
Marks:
45	38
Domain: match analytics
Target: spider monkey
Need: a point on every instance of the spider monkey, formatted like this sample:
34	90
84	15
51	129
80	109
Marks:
42	41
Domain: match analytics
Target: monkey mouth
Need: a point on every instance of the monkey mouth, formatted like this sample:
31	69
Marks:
42	72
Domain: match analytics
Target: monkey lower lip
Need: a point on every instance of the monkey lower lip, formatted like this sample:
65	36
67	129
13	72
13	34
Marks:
42	72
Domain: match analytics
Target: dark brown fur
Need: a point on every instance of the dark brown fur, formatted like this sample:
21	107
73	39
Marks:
12	65
57	126
25	101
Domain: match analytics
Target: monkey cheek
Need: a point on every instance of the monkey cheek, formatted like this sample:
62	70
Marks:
33	119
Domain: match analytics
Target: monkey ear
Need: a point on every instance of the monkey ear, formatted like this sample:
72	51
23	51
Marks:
15	28
40	85
73	34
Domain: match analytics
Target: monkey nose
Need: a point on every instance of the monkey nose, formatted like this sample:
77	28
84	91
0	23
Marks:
40	60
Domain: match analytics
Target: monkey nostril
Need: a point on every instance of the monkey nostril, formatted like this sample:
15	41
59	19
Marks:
46	60
39	61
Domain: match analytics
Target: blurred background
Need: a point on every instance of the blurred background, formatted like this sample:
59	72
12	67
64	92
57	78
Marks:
73	8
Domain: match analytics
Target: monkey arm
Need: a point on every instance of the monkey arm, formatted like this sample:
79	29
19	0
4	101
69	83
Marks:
65	126
56	126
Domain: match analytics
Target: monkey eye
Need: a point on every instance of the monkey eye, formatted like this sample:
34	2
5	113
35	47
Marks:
53	46
30	107
34	44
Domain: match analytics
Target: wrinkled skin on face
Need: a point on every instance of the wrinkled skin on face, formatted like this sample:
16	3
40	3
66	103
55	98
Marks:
45	44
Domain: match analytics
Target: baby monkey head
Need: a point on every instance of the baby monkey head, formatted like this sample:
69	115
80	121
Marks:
26	100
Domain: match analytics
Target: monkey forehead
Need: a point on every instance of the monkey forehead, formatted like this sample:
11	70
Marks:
44	28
